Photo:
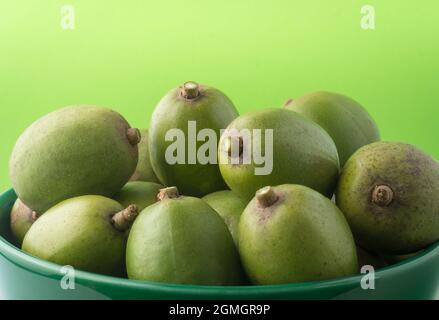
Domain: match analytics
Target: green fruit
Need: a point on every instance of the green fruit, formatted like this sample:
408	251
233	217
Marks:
346	121
71	152
22	218
144	170
87	232
208	108
368	258
303	153
140	193
392	259
182	240
229	206
291	233
389	194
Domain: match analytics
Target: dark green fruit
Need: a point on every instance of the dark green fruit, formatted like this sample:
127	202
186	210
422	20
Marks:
71	152
346	121
140	193
291	233
229	206
392	259
144	170
182	240
22	218
303	153
87	232
207	108
368	258
389	194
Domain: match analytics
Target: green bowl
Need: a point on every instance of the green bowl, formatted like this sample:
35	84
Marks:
25	277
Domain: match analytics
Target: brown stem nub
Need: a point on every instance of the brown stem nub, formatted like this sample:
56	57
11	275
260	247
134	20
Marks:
382	195
133	136
34	216
266	196
123	220
288	102
190	90
230	145
168	193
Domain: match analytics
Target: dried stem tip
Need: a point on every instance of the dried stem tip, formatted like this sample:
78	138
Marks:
266	196
234	146
123	220
288	102
190	90
133	136
382	195
168	193
34	216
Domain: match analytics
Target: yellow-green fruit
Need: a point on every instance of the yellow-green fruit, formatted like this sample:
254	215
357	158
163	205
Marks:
87	233
144	170
291	233
74	151
22	218
196	107
388	192
182	240
302	153
229	206
140	193
346	121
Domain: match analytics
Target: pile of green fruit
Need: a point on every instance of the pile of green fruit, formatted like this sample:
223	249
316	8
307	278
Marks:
99	195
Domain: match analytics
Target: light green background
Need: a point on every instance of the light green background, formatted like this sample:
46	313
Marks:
127	54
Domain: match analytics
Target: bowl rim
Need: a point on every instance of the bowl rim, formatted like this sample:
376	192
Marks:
49	269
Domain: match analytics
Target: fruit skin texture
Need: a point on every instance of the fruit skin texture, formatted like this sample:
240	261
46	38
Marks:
229	206
22	218
303	236
71	152
346	121
182	240
410	221
211	109
144	170
140	193
303	153
79	232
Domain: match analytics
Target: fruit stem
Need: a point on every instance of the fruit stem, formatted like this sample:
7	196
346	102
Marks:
133	136
266	196
288	102
168	193
230	142
190	90
382	195
123	220
34	216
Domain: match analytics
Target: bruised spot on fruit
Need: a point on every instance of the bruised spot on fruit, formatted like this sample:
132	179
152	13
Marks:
123	220
168	193
382	195
190	90
133	136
